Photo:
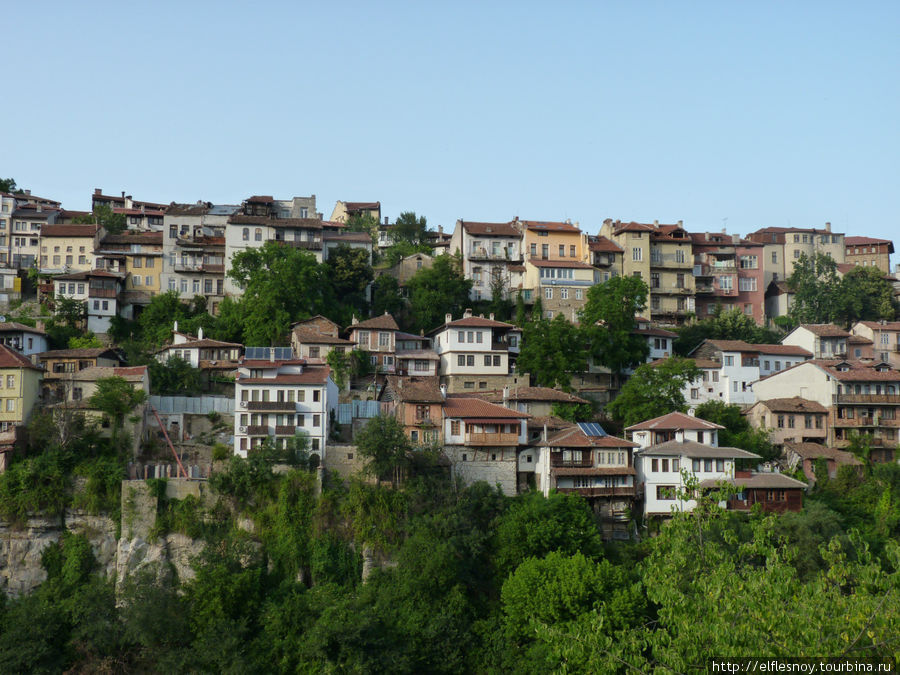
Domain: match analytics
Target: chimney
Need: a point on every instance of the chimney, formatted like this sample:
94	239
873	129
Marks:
175	327
506	396
440	229
491	316
27	193
544	435
656	223
828	227
98	191
680	224
443	391
354	320
271	354
448	318
386	220
468	313
200	333
568	221
38	208
123	194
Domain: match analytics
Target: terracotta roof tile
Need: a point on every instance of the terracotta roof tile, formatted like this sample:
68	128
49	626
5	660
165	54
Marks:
692	449
816	450
795	404
383	322
602	244
10	358
416	389
15	327
550	226
69	230
766	480
825	330
491	229
468	408
674	420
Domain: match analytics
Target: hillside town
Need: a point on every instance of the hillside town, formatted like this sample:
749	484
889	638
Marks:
457	378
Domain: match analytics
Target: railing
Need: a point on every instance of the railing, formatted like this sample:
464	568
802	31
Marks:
584	463
271	406
424	422
491	439
599	491
484	254
669	260
285	430
212	268
315	245
258	430
102	292
876	421
704	288
868	398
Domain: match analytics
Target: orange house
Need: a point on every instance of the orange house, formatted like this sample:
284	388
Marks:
418	405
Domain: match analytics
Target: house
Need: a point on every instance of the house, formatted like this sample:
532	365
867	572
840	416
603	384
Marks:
783	246
26	222
728	272
378	337
824	340
807	455
201	352
556	267
585	460
476	353
344	211
862	397
67	248
659	340
779	299
313	339
407	268
333	239
139	215
674	426
482	440
24	339
772	492
491	256
415	355
884	338
61	361
101	293
869	252
137	255
20	388
418	405
279	396
790	420
606	256
82	384
536	401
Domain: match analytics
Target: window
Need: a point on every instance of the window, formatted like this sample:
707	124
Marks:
384	339
562	250
245	234
707	465
775	257
317	393
534	250
461	360
257	234
637	254
728	360
695	394
726	283
136	280
496	360
654	279
548	293
781	421
470	360
676	464
579	294
137	261
317	420
564	293
572	250
749	262
654	465
487	359
790	421
10	381
478	336
665	492
747	284
720	465
679	280
665	465
10	405
679	255
545	251
796	253
482	385
471	337
454	428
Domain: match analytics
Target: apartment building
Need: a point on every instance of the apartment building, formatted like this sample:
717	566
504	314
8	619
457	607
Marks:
482	441
862	397
491	255
139	215
68	248
476	353
662	256
555	267
20	387
26	222
728	273
194	251
783	246
278	396
823	340
417	403
138	256
605	256
884	337
869	252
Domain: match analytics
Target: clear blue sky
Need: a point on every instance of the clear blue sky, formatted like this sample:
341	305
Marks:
764	113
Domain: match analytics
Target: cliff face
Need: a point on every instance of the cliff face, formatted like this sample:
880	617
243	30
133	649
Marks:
170	555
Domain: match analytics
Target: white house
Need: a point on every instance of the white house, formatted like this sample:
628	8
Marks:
200	352
491	254
99	290
22	338
823	340
279	396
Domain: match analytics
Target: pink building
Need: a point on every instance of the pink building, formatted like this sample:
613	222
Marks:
728	271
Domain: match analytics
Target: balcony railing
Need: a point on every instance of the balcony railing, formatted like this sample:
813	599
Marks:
492	439
599	491
285	430
485	254
315	245
102	292
867	421
868	398
258	430
272	406
584	463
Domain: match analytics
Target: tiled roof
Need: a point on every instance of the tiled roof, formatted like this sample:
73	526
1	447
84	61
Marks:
825	329
199	209
535	394
643	328
553	423
15	327
549	226
423	354
602	244
200	344
674	420
468	408
577	264
859	371
131	374
355	237
767	480
877	325
574	437
632	227
81	353
304	223
795	404
383	322
783	350
473	322
309	376
312	336
362	206
865	241
261	199
416	389
816	450
68	230
859	340
10	358
134	238
491	229
697	450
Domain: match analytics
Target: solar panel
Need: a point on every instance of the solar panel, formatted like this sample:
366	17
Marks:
591	429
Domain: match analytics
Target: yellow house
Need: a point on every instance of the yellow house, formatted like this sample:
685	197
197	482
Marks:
67	248
20	385
556	267
140	254
553	241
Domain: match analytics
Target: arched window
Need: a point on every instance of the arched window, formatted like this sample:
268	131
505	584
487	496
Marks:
257	234
246	235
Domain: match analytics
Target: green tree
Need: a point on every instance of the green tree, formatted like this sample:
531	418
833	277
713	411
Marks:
112	222
386	296
281	284
816	287
608	320
349	272
392	255
384	445
653	391
551	351
521	317
738	433
573	412
88	340
115	398
437	290
409	227
9	186
866	294
175	377
722	325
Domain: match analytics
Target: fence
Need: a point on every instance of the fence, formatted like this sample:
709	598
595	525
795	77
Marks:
200	405
166	470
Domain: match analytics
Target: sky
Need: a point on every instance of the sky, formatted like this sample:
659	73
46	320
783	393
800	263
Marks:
719	114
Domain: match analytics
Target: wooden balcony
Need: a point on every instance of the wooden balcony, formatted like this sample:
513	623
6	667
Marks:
496	439
627	492
258	430
585	462
102	292
271	406
877	421
891	399
285	430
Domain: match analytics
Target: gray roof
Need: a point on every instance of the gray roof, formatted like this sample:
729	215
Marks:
696	450
223	209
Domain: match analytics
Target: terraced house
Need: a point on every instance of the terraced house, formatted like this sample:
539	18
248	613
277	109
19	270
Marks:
492	257
555	267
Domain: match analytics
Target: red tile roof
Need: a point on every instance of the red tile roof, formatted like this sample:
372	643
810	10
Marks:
815	450
471	408
794	404
574	437
550	226
15	327
317	375
383	322
535	394
300	223
416	389
69	230
10	358
825	330
674	420
866	241
602	244
491	229
877	325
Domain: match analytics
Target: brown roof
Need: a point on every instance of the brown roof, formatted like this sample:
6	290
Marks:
261	199
603	244
816	450
491	229
825	329
10	358
131	374
632	227
317	375
652	331
574	437
535	394
383	322
470	408
674	420
794	404
553	423
783	350
424	354
549	225
13	326
80	353
356	237
199	209
474	322
560	263
698	450
859	340
877	325
68	230
362	206
312	336
200	344
306	223
416	389
594	471
867	241
763	479
859	371
133	238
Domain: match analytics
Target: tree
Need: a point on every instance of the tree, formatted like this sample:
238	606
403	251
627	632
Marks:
84	341
386	448
738	433
392	255
573	412
115	397
608	321
386	296
109	220
175	377
865	294
551	351
521	317
730	325
411	228
437	290
501	306
9	186
281	284
816	289
653	391
158	319
349	272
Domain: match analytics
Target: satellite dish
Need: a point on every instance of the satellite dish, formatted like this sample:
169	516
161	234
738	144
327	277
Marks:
2	318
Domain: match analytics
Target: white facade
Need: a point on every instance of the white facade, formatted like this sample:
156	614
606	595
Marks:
22	339
474	346
824	341
488	251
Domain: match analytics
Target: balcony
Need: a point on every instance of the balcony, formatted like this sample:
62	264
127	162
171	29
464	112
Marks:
258	430
669	260
893	399
102	292
866	421
271	406
306	245
585	462
285	430
502	255
704	289
600	491
209	268
492	439
424	422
